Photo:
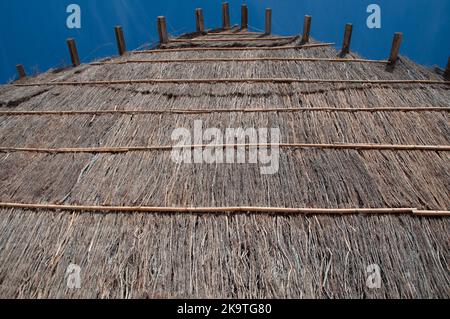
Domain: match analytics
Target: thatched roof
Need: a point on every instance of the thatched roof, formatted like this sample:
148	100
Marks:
226	254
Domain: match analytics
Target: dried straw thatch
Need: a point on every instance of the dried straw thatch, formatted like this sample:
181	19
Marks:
239	254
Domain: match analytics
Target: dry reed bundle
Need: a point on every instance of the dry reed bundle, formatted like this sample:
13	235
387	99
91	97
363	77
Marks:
216	255
222	256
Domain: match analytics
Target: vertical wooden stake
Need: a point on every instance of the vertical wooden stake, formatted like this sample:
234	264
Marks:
162	30
347	39
199	20
268	21
395	50
73	52
306	29
447	71
121	47
21	71
225	16
244	17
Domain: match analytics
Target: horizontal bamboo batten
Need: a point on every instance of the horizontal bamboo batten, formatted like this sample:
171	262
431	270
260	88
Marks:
238	32
231	209
267	48
272	59
206	111
232	39
232	80
127	149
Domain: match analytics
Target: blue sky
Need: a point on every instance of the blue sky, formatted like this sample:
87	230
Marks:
33	32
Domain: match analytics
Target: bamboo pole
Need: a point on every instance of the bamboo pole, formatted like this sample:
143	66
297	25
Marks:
395	49
268	28
265	59
432	213
73	52
225	16
244	17
199	20
233	39
227	110
120	39
128	149
306	29
269	48
162	30
21	71
237	32
224	210
231	80
447	70
347	39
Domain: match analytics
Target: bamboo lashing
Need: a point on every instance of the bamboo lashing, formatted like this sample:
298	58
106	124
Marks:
264	59
267	48
231	80
127	149
229	110
224	210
